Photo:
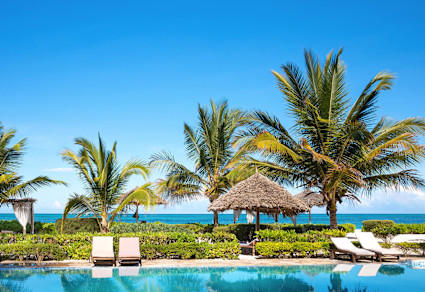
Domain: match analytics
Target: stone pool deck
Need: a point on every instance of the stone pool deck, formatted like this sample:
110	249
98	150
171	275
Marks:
160	263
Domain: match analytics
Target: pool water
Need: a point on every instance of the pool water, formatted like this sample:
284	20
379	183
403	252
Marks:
338	278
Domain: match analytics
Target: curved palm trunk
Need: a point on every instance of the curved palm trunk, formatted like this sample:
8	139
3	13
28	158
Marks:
104	226
215	219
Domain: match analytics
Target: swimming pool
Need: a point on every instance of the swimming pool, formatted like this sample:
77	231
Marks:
343	278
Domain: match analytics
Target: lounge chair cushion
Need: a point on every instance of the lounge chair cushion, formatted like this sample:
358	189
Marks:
369	242
129	247
103	247
344	244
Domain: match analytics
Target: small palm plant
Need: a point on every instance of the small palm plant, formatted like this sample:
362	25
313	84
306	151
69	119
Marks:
334	148
104	182
11	183
144	196
210	148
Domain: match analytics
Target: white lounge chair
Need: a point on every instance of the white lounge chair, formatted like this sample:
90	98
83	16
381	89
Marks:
369	242
103	250
345	246
129	251
369	270
408	238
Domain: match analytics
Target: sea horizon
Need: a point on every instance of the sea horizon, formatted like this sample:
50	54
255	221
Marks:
227	218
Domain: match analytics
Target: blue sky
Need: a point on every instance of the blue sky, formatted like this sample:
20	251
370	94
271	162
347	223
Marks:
135	72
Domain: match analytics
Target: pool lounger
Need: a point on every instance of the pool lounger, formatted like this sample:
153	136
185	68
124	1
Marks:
369	270
129	251
103	250
249	245
345	246
369	242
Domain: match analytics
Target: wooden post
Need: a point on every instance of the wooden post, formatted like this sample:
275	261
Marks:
32	218
309	217
257	222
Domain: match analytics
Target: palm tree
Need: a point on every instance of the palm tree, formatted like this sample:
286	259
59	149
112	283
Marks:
104	181
143	196
12	184
210	149
335	149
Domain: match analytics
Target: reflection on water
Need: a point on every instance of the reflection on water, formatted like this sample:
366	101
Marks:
327	278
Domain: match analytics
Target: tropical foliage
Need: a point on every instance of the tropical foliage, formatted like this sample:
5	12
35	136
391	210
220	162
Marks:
336	149
11	183
104	181
209	147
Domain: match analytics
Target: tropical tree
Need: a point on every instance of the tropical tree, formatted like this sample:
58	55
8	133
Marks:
337	149
144	196
104	181
209	147
11	183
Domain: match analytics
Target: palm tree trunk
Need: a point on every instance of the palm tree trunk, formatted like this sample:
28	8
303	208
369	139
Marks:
104	225
137	213
215	219
332	212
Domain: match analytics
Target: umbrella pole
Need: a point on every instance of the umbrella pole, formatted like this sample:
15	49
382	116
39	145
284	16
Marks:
309	217
257	222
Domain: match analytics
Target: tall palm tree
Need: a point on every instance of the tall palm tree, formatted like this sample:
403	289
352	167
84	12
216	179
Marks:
210	149
104	181
335	148
11	183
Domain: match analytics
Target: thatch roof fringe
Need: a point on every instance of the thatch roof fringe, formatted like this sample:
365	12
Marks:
259	192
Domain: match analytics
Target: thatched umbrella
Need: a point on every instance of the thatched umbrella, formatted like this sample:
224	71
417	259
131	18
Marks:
260	194
312	199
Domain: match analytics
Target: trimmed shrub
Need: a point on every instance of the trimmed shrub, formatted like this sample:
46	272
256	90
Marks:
292	236
152	245
368	225
15	226
76	225
148	227
246	232
295	249
28	251
198	227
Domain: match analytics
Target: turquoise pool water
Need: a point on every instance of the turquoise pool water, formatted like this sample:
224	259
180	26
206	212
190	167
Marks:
341	278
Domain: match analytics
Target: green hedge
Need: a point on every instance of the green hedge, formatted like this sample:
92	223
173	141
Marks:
15	226
30	251
291	249
148	227
368	225
76	225
290	236
78	246
246	232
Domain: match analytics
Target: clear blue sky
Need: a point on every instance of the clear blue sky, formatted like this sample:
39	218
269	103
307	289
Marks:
135	72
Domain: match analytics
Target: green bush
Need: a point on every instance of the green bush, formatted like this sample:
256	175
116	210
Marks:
76	225
368	225
415	247
15	226
292	236
153	245
28	251
198	227
386	232
148	227
246	232
294	249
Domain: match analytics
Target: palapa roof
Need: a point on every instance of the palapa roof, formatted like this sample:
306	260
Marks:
18	201
259	192
311	198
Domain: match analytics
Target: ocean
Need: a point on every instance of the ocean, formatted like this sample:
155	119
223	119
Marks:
355	219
